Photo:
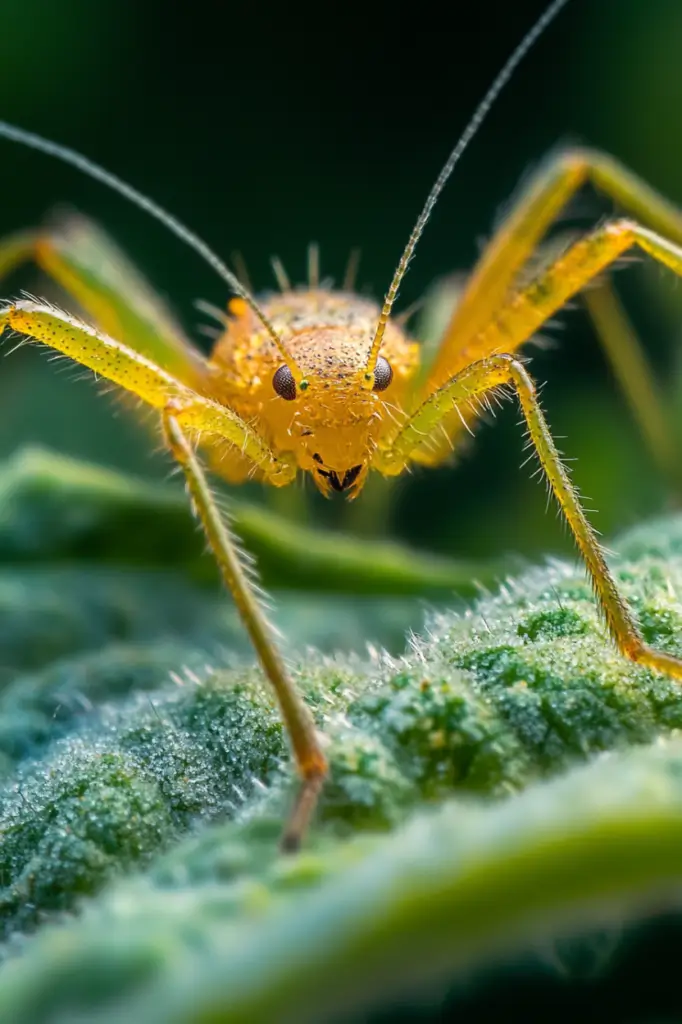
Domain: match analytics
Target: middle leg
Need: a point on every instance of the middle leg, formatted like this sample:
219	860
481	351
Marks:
525	311
494	278
91	269
634	375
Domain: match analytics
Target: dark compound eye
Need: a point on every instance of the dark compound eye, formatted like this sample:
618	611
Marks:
284	384
383	374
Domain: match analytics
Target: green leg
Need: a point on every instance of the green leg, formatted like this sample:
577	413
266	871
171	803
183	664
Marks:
633	372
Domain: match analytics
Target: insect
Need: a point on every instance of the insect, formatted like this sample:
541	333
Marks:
328	383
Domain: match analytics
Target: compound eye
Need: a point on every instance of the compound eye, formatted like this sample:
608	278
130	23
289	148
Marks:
383	374
284	384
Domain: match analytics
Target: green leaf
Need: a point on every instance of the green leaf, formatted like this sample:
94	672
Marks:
508	777
52	507
222	931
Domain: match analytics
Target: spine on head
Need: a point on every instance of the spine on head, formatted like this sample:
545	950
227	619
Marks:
465	138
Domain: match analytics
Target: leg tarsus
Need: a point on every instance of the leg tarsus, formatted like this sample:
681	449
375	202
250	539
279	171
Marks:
303	810
659	661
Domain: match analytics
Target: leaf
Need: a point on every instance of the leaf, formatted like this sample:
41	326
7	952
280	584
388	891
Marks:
220	931
510	780
53	507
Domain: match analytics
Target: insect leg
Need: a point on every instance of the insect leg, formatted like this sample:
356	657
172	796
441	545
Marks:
622	348
633	372
297	717
110	291
473	383
183	410
524	312
16	249
141	377
542	199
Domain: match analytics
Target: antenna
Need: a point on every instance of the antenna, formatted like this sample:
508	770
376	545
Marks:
175	226
465	138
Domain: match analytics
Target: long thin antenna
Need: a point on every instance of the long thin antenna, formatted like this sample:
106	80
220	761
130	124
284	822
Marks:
93	170
465	138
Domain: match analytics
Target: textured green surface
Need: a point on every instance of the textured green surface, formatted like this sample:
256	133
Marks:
470	804
54	507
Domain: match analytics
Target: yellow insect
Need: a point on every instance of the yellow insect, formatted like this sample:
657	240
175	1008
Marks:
326	382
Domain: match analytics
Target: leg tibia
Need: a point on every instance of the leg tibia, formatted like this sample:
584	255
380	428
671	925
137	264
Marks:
469	386
297	717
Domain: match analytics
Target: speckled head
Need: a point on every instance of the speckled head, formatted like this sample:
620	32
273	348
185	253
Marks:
327	417
332	420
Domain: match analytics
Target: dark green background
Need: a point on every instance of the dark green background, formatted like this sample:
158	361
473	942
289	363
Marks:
267	126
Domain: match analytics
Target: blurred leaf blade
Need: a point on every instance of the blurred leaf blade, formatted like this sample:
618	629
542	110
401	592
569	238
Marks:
56	508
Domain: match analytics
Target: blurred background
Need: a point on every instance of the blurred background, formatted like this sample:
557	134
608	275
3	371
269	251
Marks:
266	127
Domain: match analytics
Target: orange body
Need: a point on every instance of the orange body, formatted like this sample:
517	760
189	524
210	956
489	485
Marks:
333	428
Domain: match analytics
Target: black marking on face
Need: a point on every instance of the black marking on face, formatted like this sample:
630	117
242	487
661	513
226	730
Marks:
338	483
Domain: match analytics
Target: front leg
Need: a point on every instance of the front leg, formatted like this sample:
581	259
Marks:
142	377
311	762
468	387
182	409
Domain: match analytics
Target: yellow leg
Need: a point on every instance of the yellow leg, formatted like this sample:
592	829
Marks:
525	311
473	383
17	249
297	717
140	376
632	370
182	409
541	201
